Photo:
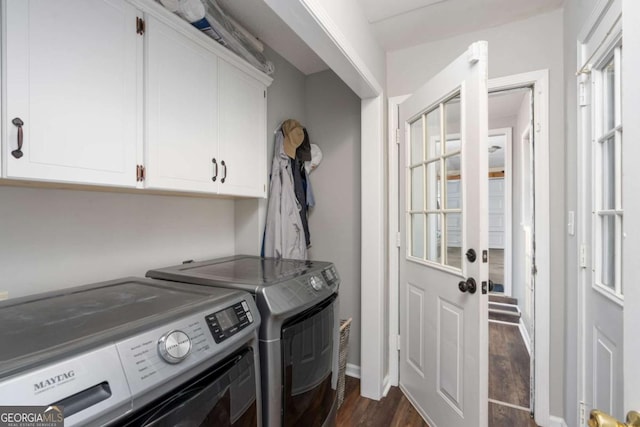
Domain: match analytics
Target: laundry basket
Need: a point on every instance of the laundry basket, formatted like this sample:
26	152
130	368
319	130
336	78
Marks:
345	326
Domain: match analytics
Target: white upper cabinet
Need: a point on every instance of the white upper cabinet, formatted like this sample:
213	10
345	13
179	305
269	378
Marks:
242	132
95	95
182	112
73	75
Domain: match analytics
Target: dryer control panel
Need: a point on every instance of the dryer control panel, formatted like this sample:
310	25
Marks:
225	323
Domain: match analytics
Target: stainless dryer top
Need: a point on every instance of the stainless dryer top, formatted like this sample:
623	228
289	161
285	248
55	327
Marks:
58	322
250	270
282	287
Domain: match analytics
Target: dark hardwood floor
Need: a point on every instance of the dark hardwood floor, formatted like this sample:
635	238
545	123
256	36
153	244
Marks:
508	365
508	382
391	411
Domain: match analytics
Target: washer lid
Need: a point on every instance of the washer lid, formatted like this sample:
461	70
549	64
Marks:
89	316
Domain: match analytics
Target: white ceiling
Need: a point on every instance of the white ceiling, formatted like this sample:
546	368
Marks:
396	24
399	24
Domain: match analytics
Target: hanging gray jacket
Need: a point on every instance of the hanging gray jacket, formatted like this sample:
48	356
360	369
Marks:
284	235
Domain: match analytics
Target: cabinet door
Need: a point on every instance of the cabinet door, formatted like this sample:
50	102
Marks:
242	132
73	70
181	106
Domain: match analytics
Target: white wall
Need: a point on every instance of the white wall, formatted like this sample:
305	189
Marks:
52	239
517	47
333	123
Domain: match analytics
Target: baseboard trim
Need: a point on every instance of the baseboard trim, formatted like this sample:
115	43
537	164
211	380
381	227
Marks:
557	422
352	370
525	336
386	386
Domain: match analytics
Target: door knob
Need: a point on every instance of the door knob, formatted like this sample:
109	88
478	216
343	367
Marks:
468	286
600	419
471	255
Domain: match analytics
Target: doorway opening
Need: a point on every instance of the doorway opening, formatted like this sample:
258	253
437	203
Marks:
511	256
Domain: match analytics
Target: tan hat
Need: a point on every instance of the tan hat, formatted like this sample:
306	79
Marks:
293	136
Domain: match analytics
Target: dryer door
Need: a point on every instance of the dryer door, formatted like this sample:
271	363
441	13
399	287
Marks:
307	349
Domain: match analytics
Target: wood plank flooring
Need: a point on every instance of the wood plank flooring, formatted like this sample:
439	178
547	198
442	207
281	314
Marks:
508	365
396	411
392	411
508	382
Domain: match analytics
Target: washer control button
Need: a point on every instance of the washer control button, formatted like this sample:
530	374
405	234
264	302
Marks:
174	346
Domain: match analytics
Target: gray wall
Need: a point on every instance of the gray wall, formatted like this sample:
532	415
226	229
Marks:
331	113
52	239
285	100
333	123
517	47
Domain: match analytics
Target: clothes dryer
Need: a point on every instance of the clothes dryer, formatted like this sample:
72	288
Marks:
299	333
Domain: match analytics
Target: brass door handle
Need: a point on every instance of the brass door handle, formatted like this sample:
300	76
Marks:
600	419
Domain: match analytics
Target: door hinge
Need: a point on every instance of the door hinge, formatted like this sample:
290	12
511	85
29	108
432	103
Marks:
583	414
582	95
398	342
398	240
140	173
583	256
139	25
398	136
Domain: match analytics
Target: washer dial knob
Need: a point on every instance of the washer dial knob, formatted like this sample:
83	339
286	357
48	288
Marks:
174	346
316	283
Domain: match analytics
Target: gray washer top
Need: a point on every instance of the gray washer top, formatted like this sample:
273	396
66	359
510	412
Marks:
54	325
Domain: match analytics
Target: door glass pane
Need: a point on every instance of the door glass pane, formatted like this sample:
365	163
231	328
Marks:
417	146
434	234
454	239
453	183
608	273
417	188
608	174
609	96
433	185
433	134
417	235
452	122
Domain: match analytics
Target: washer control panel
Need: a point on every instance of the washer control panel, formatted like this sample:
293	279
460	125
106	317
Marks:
225	323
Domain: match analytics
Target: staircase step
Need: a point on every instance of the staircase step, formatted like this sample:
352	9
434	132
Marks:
505	317
503	299
503	307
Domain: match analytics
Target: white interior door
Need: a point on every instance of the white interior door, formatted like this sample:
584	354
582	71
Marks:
604	293
444	343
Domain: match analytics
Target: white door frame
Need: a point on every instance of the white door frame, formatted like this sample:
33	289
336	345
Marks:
540	82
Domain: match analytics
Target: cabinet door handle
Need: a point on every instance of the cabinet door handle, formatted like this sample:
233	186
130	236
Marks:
17	153
215	170
224	165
